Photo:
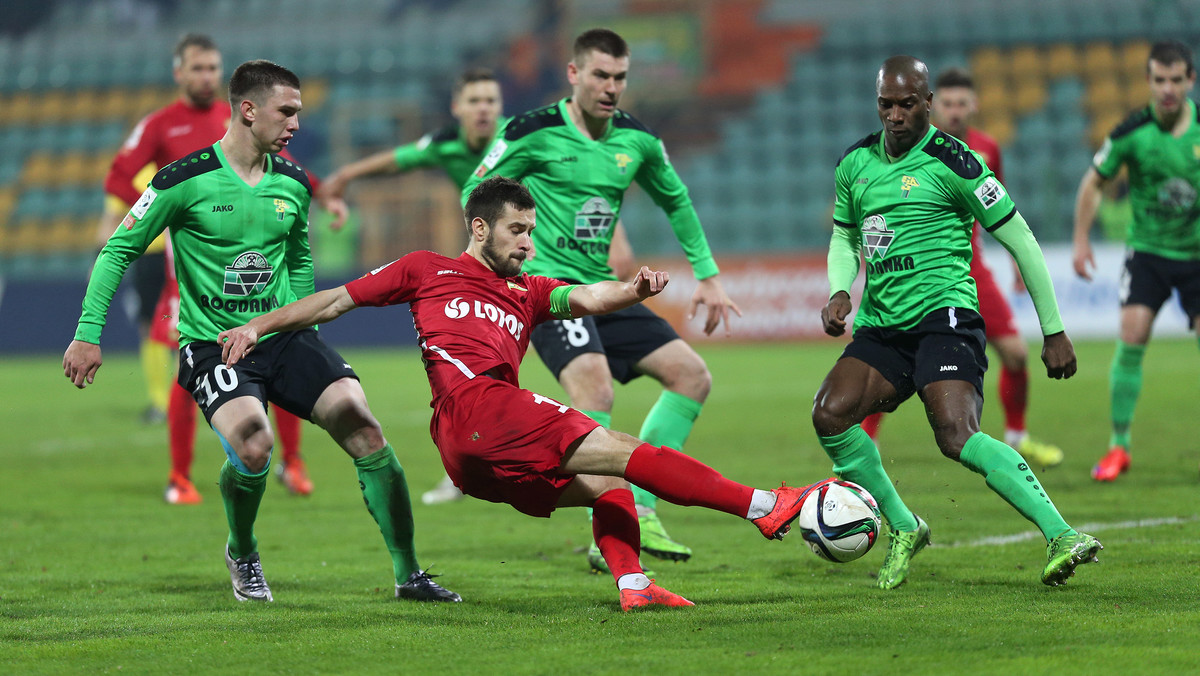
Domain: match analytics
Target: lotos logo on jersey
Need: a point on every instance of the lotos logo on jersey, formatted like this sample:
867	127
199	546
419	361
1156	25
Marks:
876	236
143	204
907	184
460	308
593	220
248	275
989	192
280	209
457	308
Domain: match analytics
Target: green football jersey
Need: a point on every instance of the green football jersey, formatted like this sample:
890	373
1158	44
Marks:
915	214
446	148
1164	182
240	251
579	184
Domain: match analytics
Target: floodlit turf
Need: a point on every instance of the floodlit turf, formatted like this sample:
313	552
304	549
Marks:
97	574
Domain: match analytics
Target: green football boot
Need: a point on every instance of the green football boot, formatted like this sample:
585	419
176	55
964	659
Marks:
657	543
599	567
904	545
1065	553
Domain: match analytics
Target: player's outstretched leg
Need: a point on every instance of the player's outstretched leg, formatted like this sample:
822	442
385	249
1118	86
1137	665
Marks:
291	470
385	493
669	423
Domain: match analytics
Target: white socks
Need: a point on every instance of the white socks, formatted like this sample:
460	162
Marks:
761	504
634	581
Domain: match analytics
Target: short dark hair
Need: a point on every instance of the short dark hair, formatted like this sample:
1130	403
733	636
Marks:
1168	52
471	76
602	40
488	199
954	77
204	42
254	78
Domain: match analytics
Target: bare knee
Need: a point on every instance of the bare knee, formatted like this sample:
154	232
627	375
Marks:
588	382
951	437
1012	352
833	414
342	411
253	443
691	378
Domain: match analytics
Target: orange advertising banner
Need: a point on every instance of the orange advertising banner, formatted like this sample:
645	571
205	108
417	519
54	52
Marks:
780	296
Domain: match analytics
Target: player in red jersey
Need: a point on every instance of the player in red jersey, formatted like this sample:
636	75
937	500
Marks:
196	119
498	442
954	105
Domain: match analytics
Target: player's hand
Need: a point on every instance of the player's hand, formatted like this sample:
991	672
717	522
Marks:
336	206
710	292
1058	354
833	315
1083	260
81	361
650	282
237	343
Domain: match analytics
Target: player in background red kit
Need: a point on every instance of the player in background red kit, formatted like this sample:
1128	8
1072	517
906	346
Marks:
498	442
196	119
954	105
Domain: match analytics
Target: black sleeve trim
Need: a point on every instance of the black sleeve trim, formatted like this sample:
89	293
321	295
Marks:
189	166
840	224
445	134
954	154
865	142
1136	119
292	170
623	120
1002	221
527	123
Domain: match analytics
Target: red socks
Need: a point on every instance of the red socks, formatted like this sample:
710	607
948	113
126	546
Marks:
181	429
615	528
288	428
1014	396
683	480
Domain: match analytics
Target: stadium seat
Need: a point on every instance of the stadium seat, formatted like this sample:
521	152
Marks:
40	170
1062	60
1104	94
1133	57
1099	61
1030	95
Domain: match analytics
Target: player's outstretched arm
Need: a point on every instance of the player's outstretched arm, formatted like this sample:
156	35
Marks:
81	361
1087	203
710	293
1058	354
380	163
602	297
321	307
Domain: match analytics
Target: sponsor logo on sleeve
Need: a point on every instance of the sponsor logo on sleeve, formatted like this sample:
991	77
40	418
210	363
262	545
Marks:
129	221
493	156
989	192
424	142
1101	155
139	209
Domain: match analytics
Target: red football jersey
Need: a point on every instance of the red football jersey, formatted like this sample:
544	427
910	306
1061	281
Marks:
469	320
989	150
166	135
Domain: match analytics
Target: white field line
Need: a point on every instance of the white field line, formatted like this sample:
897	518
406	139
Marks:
1097	527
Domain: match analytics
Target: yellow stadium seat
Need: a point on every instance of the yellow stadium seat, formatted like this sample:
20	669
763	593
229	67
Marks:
1062	60
40	170
1134	56
1099	61
72	168
1030	95
994	97
20	108
1000	127
1137	94
26	237
1026	63
1104	94
96	167
1103	122
113	103
51	107
316	92
69	235
8	200
83	105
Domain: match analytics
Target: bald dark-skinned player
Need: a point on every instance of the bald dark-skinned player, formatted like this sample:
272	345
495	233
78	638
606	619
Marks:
907	199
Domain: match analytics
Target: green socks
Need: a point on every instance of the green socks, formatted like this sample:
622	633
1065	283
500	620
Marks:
386	493
856	458
242	494
668	423
1124	384
1009	476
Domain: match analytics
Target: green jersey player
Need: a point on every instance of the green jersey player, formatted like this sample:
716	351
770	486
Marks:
578	157
238	217
906	200
1160	146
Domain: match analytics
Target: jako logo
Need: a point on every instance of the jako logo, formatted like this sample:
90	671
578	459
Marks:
459	308
949	367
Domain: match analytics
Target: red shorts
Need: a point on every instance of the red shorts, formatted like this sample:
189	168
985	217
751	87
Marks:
504	444
993	306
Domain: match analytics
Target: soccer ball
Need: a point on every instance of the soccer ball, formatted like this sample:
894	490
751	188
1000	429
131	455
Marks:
839	520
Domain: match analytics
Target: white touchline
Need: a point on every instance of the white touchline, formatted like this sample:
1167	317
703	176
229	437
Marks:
997	540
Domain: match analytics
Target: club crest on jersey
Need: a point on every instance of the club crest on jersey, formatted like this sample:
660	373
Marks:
593	220
623	161
280	209
248	275
460	308
518	287
876	236
907	183
1176	194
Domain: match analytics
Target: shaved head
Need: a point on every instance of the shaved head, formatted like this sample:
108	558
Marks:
903	100
907	69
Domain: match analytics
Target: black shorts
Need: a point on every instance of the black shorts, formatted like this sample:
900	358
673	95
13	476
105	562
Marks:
148	275
1148	279
625	337
948	344
289	369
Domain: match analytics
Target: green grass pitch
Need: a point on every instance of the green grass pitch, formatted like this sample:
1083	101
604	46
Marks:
98	575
